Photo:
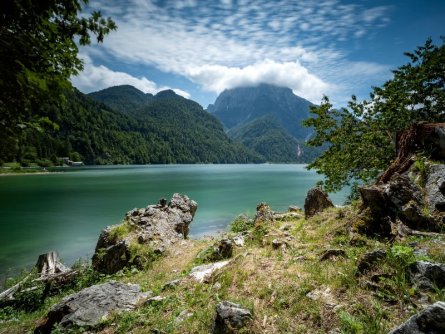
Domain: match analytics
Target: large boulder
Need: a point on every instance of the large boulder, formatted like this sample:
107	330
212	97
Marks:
428	275
90	306
435	189
316	201
429	321
412	189
229	318
405	200
154	229
264	215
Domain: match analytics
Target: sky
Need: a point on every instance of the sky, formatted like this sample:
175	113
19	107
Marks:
199	48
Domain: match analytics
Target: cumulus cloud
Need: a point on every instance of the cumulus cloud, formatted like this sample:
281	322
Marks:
94	78
216	78
224	43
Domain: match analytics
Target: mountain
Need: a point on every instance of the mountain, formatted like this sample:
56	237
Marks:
267	137
266	119
187	132
165	128
126	99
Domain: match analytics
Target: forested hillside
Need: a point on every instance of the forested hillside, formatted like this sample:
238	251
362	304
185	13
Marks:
175	130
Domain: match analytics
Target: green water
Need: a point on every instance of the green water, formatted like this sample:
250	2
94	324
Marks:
66	211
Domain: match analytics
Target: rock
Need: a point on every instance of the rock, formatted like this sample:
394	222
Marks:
286	215
154	300
316	201
429	321
435	189
220	250
427	275
369	259
157	227
112	258
171	284
203	272
278	243
323	295
294	208
229	318
238	240
90	306
330	253
184	315
264	215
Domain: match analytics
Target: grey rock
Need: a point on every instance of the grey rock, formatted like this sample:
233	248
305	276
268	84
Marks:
220	250
332	253
316	201
229	318
90	306
239	240
156	226
171	284
154	300
294	208
277	243
429	321
264	215
203	272
428	275
184	315
112	258
435	189
369	259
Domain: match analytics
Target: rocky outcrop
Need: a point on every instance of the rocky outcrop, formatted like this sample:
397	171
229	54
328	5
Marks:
427	275
264	215
316	201
429	321
405	200
229	318
412	189
90	306
369	259
435	189
155	227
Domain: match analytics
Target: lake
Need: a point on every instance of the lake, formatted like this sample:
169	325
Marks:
66	211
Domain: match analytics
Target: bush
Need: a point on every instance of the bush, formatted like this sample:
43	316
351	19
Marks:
241	223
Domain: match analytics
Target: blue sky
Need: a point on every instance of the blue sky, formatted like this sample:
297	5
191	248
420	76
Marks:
199	48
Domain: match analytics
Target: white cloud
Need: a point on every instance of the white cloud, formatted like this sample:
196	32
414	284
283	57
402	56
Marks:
216	78
225	43
94	78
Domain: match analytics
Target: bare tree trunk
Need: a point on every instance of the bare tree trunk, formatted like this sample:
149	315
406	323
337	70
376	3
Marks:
418	137
48	264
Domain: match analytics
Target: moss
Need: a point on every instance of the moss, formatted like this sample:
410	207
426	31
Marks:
119	232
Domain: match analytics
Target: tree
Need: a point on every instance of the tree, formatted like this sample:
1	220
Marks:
38	54
360	138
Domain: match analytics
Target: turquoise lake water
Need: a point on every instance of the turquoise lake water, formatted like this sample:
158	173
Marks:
66	211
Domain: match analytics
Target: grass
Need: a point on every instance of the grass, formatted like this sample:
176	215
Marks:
288	289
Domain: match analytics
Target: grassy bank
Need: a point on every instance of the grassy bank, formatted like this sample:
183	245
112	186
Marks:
289	288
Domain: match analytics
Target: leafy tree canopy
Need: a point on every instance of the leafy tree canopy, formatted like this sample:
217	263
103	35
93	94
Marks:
38	54
360	138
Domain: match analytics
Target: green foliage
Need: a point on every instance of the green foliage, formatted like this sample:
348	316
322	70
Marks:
119	232
402	256
268	138
360	137
38	55
142	256
241	223
168	130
